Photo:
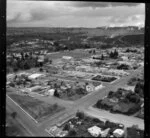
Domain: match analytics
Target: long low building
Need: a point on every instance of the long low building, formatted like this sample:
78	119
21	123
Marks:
35	75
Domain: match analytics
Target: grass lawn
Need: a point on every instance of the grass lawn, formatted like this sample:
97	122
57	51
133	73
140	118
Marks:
73	97
39	110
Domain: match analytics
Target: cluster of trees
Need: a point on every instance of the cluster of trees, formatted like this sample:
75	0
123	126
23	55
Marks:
56	94
104	78
70	92
100	58
131	50
92	51
80	115
123	66
99	63
132	97
134	132
26	61
139	88
70	46
114	54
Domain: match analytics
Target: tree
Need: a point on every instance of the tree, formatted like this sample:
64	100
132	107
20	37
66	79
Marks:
113	54
80	115
41	69
50	61
102	57
139	89
56	44
26	65
12	84
55	106
56	94
80	91
66	127
26	55
98	104
72	132
96	120
110	94
13	115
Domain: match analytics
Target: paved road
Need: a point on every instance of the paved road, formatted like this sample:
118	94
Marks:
85	102
118	118
81	104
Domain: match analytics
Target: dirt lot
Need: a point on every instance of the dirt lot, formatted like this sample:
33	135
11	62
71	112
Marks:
36	108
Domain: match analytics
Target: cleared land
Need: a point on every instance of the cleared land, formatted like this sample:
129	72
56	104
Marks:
39	110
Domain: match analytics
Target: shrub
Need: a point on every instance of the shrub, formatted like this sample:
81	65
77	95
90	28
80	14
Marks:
134	133
80	91
98	104
12	84
110	94
41	69
13	115
110	124
139	89
56	94
96	120
66	127
80	115
72	132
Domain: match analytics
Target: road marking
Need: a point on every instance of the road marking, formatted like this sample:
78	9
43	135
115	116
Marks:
22	109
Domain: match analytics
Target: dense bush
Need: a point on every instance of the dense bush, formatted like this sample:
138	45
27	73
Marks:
114	54
72	132
133	98
134	133
123	66
110	94
139	88
98	104
80	115
12	84
110	124
96	120
80	91
56	94
66	127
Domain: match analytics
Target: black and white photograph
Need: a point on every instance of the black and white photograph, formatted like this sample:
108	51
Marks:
75	69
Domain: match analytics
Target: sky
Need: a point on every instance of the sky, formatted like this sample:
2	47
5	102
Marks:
23	13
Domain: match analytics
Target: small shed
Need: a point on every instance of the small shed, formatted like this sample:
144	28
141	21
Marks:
94	131
118	133
51	92
35	75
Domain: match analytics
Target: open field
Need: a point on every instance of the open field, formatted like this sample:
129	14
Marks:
13	128
36	108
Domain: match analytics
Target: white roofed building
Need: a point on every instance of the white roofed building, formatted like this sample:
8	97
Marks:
118	133
94	131
67	57
34	76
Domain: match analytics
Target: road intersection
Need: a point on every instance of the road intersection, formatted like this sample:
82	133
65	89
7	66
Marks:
83	104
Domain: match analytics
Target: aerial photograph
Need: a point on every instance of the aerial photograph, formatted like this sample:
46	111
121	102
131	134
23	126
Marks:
75	69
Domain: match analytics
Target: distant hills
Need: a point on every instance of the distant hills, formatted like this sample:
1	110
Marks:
105	37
